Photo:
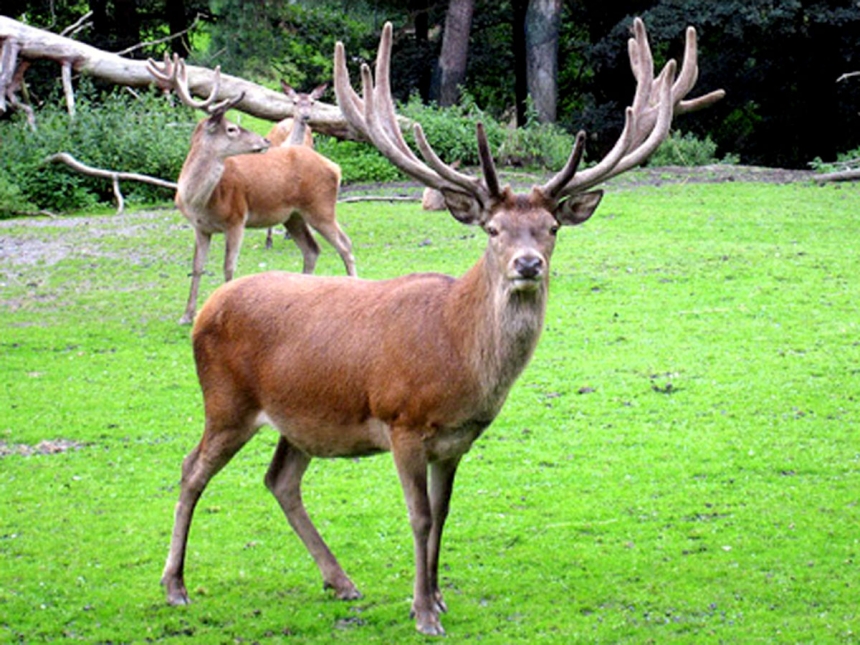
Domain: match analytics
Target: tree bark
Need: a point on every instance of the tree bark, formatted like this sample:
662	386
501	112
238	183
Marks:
22	44
543	20
521	87
451	70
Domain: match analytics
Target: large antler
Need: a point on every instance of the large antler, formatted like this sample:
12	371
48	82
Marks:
173	75
647	121
373	116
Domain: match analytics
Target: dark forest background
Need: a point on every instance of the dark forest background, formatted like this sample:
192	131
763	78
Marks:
777	60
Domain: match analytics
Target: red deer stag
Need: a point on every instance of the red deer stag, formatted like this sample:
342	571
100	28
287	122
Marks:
418	365
223	189
294	130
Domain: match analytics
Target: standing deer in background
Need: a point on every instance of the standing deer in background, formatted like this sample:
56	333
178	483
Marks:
222	189
418	365
295	131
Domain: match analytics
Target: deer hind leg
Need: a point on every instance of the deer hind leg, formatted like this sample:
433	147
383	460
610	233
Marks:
411	462
233	245
284	480
219	444
441	486
304	239
202	240
335	236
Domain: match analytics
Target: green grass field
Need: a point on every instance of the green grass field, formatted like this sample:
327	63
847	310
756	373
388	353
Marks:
679	463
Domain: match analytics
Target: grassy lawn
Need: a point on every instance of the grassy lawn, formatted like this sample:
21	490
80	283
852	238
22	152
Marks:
680	462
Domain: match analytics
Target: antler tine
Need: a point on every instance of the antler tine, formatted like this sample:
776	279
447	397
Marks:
173	74
642	65
554	185
687	79
373	115
647	121
349	102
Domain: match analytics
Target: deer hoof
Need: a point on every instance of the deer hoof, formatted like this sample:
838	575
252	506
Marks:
343	590
176	594
430	627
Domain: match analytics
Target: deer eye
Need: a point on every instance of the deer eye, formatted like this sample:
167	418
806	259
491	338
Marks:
492	231
553	230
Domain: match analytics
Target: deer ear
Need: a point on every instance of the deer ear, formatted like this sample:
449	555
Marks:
319	91
577	208
464	207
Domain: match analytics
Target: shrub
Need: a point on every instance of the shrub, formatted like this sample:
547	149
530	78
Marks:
687	150
124	132
359	162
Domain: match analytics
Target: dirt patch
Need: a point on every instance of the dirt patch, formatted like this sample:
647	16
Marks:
55	447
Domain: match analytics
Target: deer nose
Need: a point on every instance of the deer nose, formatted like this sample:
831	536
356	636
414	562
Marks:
529	266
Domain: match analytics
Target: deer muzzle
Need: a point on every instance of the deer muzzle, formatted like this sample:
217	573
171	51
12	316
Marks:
527	270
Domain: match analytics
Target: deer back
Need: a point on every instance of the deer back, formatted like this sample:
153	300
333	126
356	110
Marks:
265	189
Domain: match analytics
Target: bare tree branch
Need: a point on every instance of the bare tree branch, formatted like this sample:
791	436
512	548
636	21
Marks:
166	39
114	175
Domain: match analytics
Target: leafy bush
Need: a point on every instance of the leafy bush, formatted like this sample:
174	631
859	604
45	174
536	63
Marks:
359	162
687	150
141	134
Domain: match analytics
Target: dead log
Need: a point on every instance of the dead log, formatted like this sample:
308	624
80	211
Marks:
20	44
840	175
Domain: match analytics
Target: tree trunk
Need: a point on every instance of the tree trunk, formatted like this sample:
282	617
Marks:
543	20
20	44
521	87
451	71
178	22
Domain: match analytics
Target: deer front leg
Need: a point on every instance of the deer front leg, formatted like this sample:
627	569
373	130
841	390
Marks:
411	462
441	486
284	479
202	241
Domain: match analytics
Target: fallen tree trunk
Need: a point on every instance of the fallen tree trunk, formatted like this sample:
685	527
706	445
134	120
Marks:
840	175
22	44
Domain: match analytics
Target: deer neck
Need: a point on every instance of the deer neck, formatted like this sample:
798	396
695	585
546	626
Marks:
499	327
200	174
297	134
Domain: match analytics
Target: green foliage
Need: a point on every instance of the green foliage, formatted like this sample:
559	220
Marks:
12	200
451	130
687	150
141	134
359	162
678	464
283	40
536	145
